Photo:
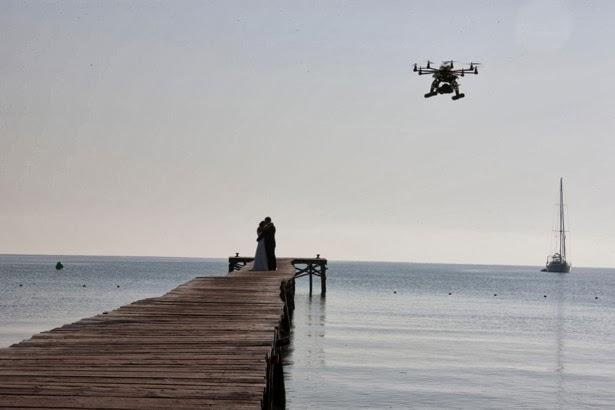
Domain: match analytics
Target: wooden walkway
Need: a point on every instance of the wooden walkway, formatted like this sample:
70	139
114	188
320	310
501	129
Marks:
211	342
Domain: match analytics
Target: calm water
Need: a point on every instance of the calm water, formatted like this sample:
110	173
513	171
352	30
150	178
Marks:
50	298
387	335
365	346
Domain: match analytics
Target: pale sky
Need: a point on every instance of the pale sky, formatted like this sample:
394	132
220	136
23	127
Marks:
172	128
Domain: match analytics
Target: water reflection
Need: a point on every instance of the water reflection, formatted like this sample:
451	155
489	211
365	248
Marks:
316	318
559	340
306	348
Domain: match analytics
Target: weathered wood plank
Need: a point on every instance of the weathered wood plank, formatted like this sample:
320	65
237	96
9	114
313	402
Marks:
158	403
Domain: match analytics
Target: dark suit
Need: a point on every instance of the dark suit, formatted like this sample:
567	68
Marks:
269	237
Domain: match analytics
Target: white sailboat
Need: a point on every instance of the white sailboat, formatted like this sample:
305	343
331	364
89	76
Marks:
557	262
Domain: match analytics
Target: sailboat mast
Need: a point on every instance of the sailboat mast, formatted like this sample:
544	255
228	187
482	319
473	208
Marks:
562	228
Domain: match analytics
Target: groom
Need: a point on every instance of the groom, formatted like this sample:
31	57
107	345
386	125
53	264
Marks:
269	237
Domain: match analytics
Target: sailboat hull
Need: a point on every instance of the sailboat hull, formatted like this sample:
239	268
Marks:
559	267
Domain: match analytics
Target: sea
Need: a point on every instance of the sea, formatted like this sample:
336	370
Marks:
386	335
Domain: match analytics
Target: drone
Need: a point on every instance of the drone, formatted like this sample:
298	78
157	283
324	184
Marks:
445	77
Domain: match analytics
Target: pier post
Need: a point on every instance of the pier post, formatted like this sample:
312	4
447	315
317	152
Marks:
323	281
323	275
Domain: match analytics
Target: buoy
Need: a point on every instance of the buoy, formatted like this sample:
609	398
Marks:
20	285
449	293
395	291
544	296
594	298
104	313
83	286
117	286
495	294
59	266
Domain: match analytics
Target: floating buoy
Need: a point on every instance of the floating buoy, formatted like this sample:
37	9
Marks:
83	286
449	293
117	286
104	313
395	291
495	294
594	298
544	296
20	285
59	266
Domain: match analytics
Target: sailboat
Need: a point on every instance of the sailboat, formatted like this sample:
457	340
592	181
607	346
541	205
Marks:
557	262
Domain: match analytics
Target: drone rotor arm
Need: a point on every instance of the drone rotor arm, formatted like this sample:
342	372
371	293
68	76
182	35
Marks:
466	70
424	70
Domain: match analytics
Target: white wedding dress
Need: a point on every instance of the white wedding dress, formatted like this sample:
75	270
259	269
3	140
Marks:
260	259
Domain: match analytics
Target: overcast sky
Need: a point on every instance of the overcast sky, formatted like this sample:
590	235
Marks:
172	128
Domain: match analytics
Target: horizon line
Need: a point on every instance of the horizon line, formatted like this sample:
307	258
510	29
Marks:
329	259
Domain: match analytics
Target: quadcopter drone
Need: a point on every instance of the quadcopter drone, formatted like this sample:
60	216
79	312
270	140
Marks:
445	77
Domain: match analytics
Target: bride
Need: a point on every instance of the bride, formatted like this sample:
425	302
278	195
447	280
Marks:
260	259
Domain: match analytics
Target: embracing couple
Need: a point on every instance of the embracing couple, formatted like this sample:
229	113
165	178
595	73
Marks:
265	250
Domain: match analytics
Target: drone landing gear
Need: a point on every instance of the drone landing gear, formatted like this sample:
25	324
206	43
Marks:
430	94
458	96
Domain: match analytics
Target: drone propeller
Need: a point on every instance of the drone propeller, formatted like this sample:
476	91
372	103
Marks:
473	65
450	62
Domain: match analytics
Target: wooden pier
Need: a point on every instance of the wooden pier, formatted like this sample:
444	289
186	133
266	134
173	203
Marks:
212	342
303	267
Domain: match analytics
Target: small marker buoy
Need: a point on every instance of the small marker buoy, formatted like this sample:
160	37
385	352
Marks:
495	294
544	296
117	286
83	286
449	293
104	313
594	298
20	285
395	291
